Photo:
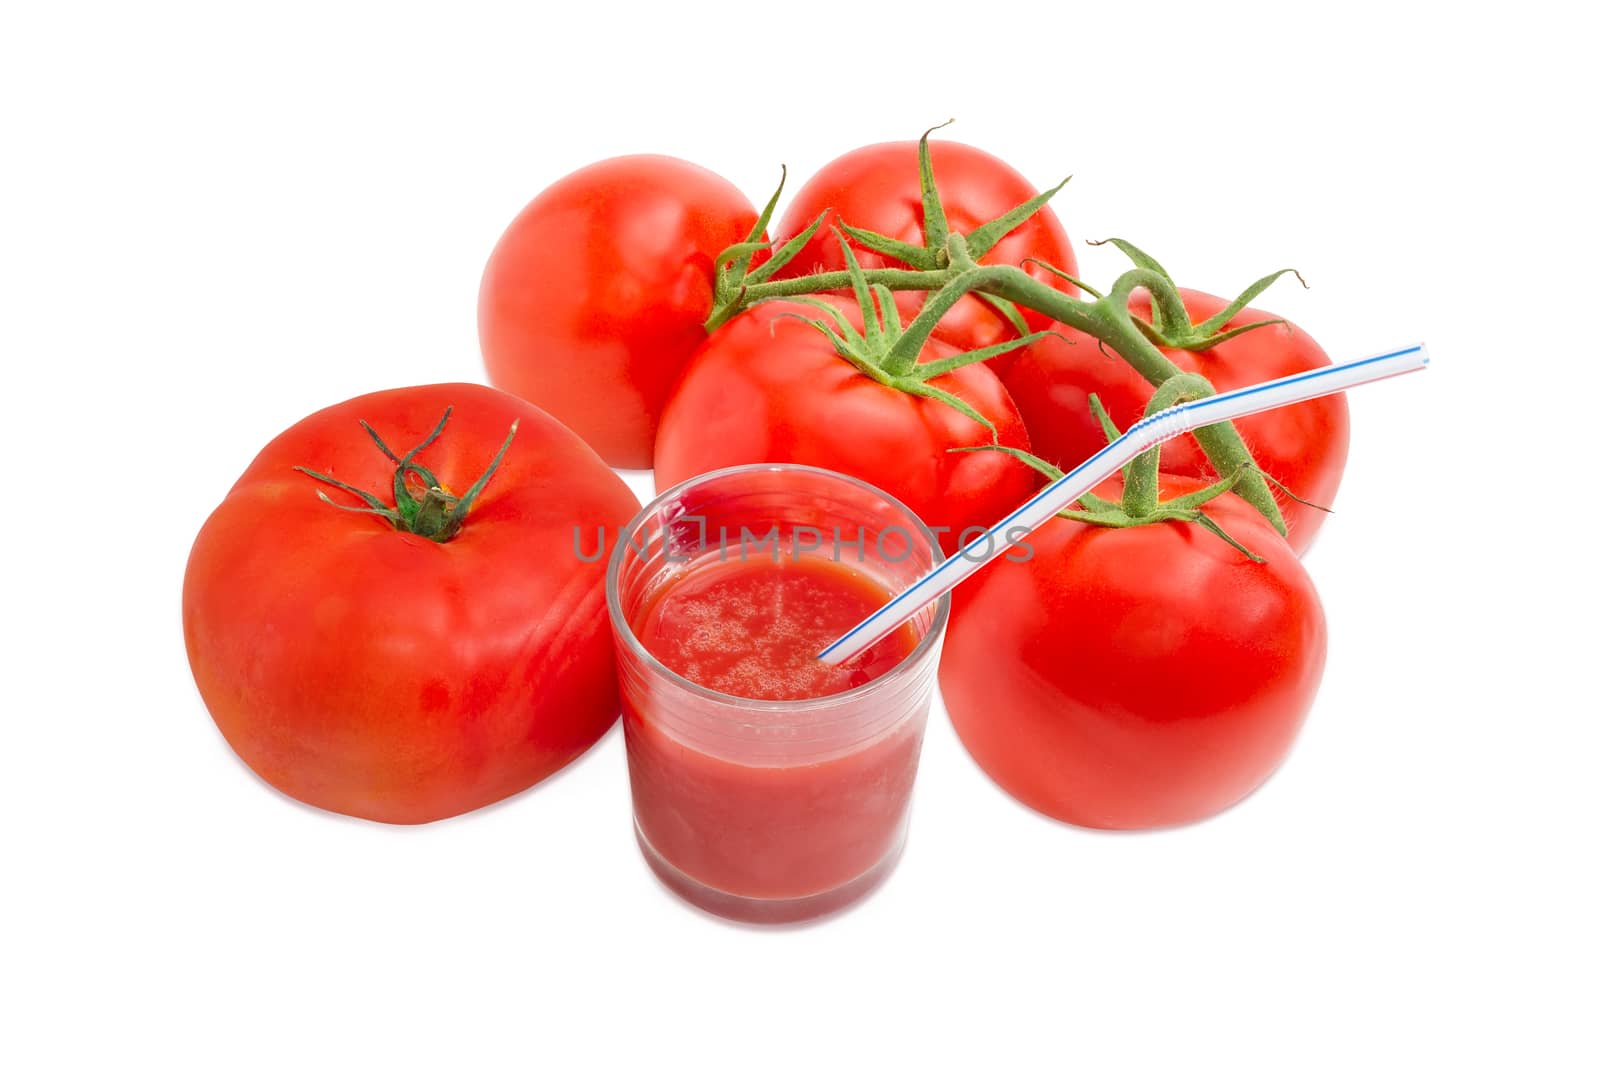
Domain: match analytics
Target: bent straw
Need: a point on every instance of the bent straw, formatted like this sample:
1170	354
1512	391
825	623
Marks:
1147	433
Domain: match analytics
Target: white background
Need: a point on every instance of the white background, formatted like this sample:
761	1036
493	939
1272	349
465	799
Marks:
215	223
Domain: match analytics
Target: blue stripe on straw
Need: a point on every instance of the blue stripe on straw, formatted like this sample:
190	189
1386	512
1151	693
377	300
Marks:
1288	380
1049	489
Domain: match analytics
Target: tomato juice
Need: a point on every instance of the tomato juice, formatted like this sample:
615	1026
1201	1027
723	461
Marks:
751	626
768	786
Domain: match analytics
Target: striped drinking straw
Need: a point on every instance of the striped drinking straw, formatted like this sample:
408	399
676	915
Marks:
1147	433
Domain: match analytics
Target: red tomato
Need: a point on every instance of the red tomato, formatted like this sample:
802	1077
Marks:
878	188
1135	677
594	298
380	673
766	387
1303	446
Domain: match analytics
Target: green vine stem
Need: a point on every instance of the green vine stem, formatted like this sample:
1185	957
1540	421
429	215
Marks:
1143	479
945	268
1106	319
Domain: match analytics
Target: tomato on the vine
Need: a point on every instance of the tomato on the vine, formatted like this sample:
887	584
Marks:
878	188
408	674
594	298
1135	677
769	387
1303	447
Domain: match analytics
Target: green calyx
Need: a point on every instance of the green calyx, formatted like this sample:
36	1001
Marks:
734	276
422	505
735	280
940	243
886	351
1169	325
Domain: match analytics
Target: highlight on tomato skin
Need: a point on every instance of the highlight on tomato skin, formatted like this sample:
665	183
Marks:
1129	678
375	672
1302	447
878	187
594	298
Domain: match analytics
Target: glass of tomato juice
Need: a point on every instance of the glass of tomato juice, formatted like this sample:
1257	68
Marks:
768	786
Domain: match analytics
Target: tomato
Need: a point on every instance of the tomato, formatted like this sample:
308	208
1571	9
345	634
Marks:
767	387
879	188
1302	446
382	674
593	299
1135	677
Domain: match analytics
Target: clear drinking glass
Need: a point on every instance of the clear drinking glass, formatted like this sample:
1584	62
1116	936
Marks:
771	810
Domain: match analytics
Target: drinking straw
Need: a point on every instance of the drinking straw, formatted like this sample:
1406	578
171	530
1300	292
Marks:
1147	433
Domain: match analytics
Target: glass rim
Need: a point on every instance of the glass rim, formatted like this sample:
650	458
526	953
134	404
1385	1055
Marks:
623	628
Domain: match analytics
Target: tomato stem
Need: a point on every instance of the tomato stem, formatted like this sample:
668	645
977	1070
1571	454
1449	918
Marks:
945	268
1141	493
432	512
1106	319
